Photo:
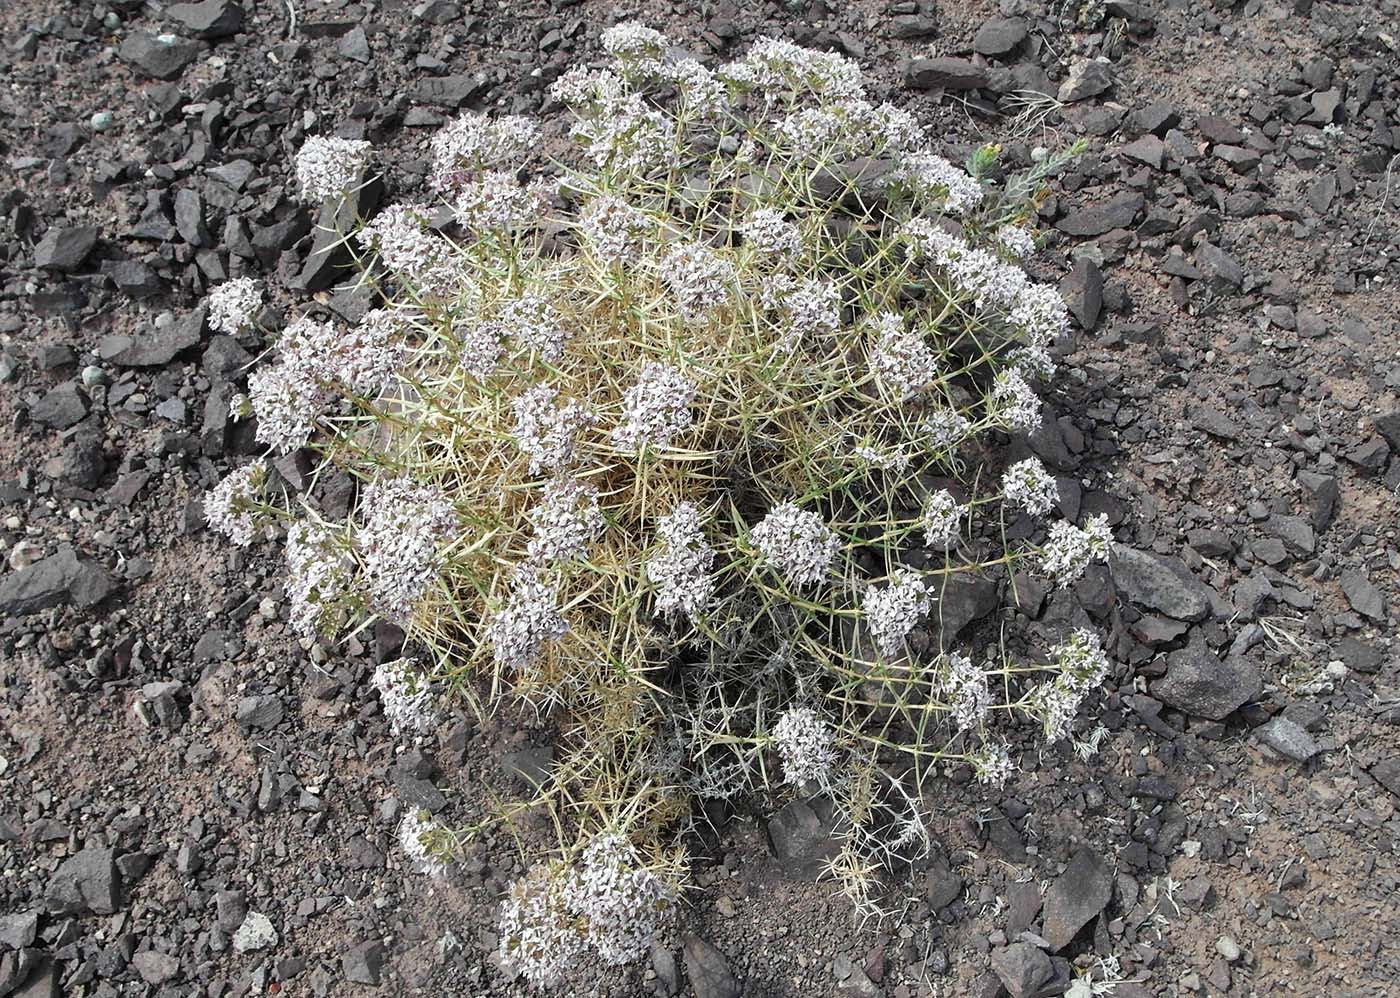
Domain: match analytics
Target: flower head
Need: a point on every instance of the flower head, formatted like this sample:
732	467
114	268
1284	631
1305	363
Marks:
942	519
530	619
546	432
892	611
681	569
1027	484
230	506
797	543
806	746
328	167
621	903
404	695
405	523
234	305
613	229
770	233
566	521
901	358
416	832
319	575
656	409
475	142
698	278
963	686
1069	549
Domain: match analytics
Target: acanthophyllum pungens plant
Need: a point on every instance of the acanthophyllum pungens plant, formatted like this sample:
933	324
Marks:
684	446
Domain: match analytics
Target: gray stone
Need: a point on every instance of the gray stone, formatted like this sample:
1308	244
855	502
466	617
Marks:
154	346
999	36
189	217
800	837
1288	739
162	57
1087	78
945	73
438	11
1199	682
86	882
1294	531
959	600
941	885
1387	774
709	973
210	19
1022	968
61	578
354	45
134	278
912	26
329	257
364	964
1095	219
18	931
254	933
1076	896
260	712
65	249
1082	290
1148	149
666	968
1161	584
1219	266
156	967
62	406
1364	598
449	91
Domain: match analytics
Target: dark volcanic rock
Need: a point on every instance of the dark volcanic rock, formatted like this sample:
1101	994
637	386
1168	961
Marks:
162	57
448	91
1364	598
1096	219
61	578
999	36
800	836
945	73
1199	682
64	405
85	882
364	963
154	347
1082	291
1086	79
1161	584
1022	968
708	970
329	256
65	249
210	19
1076	896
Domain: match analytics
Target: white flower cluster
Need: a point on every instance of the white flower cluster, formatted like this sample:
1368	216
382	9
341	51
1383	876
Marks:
1069	549
566	521
1017	240
681	570
769	232
530	618
548	433
608	903
806	745
942	519
234	305
404	695
1027	484
848	128
475	142
415	832
405	524
901	359
288	398
1082	666
624	133
496	199
363	359
229	506
780	70
965	690
932	179
810	308
400	235
701	93
656	409
992	764
622	904
1014	403
698	278
893	611
328	167
534	324
614	229
479	347
588	91
636	48
797	543
946	429
319	571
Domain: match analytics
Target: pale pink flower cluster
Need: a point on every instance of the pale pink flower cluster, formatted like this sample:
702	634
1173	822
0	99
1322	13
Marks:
892	611
229	506
546	432
588	90
625	134
900	358
942	519
234	305
1027	484
328	167
778	69
1069	550
769	232
528	620
806	745
946	428
797	543
496	199
681	569
479	346
288	398
415	831
809	308
400	234
404	695
656	409
535	325
965	690
614	229
319	576
849	127
932	179
363	359
476	142
698	278
405	525
540	936
566	521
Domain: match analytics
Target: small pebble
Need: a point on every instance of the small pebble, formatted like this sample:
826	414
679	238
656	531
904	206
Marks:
102	120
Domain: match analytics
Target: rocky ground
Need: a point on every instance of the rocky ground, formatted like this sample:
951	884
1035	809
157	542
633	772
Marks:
193	804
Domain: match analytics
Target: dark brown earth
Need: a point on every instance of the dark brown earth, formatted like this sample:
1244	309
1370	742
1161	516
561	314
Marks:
1229	245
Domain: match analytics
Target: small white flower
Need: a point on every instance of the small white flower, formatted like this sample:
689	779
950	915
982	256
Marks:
656	409
636	48
942	519
1027	484
400	234
475	142
535	325
946	429
405	524
566	521
806	746
1015	403
404	695
1069	550
540	934
681	569
622	904
797	543
319	573
809	308
992	764
234	305
546	432
902	360
769	233
698	278
964	687
613	229
228	506
415	833
327	167
933	180
1016	240
892	611
529	620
